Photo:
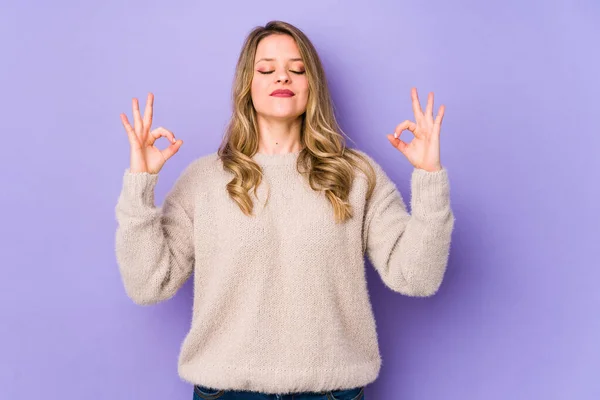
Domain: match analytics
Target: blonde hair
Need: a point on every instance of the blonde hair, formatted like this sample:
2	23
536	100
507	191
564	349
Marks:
327	162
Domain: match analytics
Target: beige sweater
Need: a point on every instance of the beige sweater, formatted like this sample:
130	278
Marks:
280	300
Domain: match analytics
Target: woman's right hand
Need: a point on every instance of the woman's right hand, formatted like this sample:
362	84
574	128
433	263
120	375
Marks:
145	157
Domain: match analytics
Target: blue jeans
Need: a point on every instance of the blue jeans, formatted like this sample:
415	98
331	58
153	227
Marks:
205	393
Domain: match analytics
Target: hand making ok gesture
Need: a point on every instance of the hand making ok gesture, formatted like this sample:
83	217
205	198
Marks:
145	157
423	151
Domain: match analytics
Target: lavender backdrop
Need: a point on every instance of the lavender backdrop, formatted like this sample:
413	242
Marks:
517	316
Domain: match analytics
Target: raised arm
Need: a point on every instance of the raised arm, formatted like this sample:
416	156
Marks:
410	252
154	245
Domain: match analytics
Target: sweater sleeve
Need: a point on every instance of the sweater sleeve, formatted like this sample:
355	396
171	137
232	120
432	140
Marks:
410	251
154	245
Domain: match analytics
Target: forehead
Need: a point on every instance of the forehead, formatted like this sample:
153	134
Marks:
277	46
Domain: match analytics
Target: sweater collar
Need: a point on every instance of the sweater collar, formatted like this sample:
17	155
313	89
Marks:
277	159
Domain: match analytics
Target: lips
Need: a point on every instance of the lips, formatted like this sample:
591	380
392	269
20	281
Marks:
282	93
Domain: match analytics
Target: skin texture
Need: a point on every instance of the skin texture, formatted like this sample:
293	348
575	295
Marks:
278	65
423	151
144	156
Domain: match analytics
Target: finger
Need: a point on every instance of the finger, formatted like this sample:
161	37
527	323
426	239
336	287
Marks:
438	119
172	149
397	143
137	118
429	108
158	132
406	125
133	139
416	105
148	111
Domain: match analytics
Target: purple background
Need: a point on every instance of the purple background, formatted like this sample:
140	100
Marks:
517	316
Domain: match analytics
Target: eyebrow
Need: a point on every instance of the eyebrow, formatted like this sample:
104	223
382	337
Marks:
272	59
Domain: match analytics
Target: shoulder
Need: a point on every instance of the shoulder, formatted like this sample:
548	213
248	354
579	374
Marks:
371	162
195	174
382	183
205	161
201	166
193	178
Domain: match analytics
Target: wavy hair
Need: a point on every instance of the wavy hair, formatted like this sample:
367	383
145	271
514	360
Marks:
327	162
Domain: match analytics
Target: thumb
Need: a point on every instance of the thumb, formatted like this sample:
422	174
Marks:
397	143
172	149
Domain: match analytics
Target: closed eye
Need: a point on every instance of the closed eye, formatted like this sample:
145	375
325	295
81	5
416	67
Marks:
270	72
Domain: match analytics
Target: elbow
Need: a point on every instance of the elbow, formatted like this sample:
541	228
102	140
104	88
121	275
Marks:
428	284
143	290
142	296
141	286
425	290
415	287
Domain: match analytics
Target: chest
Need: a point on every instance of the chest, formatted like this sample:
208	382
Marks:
289	218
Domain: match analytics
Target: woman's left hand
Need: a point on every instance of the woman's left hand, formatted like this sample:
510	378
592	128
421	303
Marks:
423	151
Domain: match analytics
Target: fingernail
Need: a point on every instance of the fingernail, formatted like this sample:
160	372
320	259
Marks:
396	135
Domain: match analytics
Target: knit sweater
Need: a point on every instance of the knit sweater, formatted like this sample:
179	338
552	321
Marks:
280	299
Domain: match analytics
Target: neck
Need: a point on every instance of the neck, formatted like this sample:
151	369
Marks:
279	136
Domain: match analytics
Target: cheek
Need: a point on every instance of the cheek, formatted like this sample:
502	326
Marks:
303	83
254	87
257	90
303	87
304	90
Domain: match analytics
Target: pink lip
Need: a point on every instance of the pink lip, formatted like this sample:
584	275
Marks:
282	93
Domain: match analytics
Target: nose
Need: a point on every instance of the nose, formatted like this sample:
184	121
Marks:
283	77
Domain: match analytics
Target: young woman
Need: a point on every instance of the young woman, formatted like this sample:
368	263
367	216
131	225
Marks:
275	226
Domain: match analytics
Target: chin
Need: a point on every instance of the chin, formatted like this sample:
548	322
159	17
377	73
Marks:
282	115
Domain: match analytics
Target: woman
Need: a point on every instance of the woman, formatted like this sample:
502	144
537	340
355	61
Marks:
275	226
